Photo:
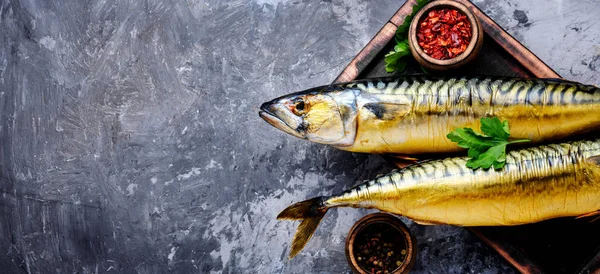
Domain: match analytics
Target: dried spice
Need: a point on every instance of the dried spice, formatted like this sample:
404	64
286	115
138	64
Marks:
379	249
444	33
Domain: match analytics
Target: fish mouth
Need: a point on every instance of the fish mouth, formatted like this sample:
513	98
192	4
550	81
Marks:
275	121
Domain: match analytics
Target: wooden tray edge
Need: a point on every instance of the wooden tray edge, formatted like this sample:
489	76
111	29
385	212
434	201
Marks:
372	49
367	54
593	267
522	264
529	60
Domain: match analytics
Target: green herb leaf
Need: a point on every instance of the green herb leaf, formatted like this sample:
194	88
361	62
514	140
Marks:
488	158
467	138
402	47
393	60
473	153
493	127
487	149
403	28
499	165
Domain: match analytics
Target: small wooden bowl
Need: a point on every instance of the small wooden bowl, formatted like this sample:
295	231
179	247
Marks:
462	59
395	224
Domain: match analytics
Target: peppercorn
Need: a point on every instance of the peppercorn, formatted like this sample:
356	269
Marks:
377	248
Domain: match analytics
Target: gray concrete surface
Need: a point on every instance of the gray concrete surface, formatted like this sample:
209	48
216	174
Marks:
130	140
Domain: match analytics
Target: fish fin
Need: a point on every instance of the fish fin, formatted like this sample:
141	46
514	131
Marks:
311	212
403	163
427	222
560	81
404	157
590	214
400	161
594	160
387	111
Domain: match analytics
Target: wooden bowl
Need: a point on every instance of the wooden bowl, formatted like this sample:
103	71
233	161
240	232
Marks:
460	60
377	220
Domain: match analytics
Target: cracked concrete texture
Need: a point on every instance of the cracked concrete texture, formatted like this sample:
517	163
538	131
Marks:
564	34
130	140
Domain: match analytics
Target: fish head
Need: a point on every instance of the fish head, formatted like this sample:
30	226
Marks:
320	115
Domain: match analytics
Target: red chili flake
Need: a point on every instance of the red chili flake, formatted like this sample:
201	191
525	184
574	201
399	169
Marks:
444	33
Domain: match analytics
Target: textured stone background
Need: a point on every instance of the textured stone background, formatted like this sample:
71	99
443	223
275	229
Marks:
130	140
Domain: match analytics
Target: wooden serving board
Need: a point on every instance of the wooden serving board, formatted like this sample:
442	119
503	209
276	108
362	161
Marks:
556	246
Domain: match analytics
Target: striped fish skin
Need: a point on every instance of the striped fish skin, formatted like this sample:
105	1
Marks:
413	115
536	184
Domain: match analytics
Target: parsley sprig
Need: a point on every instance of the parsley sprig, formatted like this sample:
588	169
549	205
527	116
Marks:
487	149
394	60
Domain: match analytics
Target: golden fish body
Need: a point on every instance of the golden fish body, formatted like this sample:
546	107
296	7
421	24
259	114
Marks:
536	184
413	115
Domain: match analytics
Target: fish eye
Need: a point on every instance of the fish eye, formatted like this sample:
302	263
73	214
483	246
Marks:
299	107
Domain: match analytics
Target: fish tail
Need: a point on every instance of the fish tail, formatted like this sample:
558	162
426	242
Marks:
311	213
